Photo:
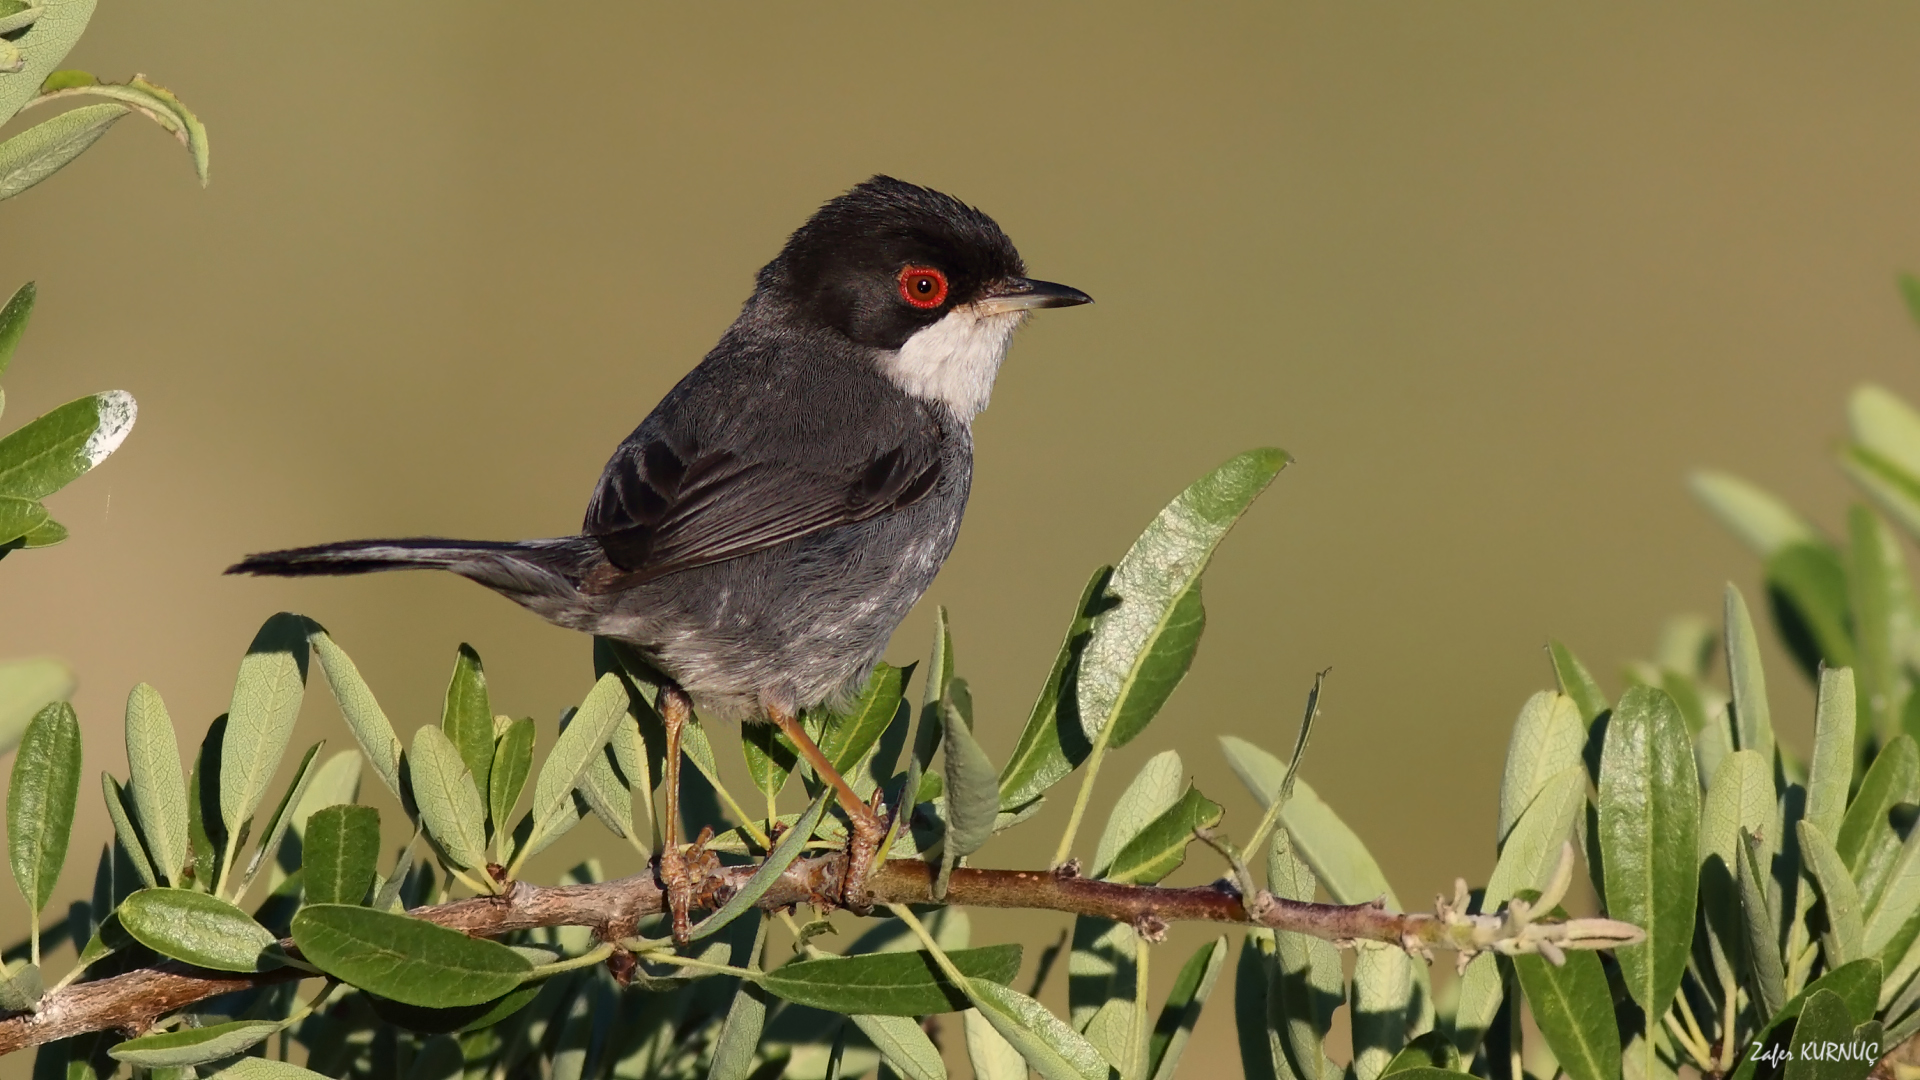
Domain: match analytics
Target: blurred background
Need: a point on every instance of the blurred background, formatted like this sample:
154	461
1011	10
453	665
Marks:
1497	275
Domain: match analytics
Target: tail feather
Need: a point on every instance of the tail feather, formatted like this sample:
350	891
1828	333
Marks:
367	556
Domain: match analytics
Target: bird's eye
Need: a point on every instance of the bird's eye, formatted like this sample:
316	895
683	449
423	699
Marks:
923	286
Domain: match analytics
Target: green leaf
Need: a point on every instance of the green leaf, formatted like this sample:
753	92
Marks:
467	1017
125	831
336	781
1380	995
1257	1052
777	861
739	1039
904	1044
1547	740
266	703
1055	1050
26	687
46	454
26	521
1885	424
1807	585
1830	774
340	853
277	824
1160	848
193	1046
770	758
21	987
1753	724
1649	814
159	787
40	802
449	802
577	746
972	783
1191	987
989	1052
1897	900
1896	490
1825	1024
1741	796
1326	843
606	788
1768	974
13	322
1052	744
257	1068
1426	1054
1306	983
1576	683
47	147
1140	649
363	715
42	48
409	960
467	717
197	929
1154	791
1761	521
1846	933
1574	1010
1882	604
848	737
512	762
1891	779
888	984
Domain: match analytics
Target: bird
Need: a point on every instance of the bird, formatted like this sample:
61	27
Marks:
762	533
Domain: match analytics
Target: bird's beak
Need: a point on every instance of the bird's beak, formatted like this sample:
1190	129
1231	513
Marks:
1026	294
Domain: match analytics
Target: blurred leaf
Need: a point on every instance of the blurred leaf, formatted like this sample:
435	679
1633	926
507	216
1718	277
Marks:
1881	602
1769	981
1055	1050
467	716
48	453
1052	744
776	863
1892	487
1571	1004
507	776
1547	740
577	746
449	802
1753	724
1760	520
13	322
266	703
198	929
972	784
363	715
1191	988
193	1046
254	1068
989	1052
1830	774
44	149
1649	814
124	829
1884	423
406	959
276	829
341	851
1140	649
1153	791
40	802
1577	684
159	787
904	1045
42	48
1160	848
1846	933
1807	585
26	687
1427	1052
888	984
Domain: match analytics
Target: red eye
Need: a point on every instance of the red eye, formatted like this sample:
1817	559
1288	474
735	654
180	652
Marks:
923	286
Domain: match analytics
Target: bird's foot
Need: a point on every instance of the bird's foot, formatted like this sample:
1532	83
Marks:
866	832
681	870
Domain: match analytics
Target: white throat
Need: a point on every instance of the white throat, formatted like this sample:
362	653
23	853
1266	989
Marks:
953	362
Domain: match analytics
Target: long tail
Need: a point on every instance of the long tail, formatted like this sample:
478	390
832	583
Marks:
523	568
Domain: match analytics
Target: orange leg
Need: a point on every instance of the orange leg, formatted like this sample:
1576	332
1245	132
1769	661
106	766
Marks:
867	828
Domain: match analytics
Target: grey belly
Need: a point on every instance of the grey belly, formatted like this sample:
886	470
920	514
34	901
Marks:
792	626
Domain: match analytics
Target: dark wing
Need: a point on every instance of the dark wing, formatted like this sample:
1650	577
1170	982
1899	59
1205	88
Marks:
659	510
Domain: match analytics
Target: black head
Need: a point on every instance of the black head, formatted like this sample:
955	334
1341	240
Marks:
889	258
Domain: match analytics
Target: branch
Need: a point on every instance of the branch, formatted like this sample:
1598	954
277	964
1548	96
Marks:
613	909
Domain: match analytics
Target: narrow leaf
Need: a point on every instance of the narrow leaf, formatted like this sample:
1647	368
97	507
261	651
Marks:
276	830
577	746
904	1044
159	787
1571	1004
1576	683
1830	774
340	853
406	959
1160	848
193	1046
1881	602
1761	521
266	702
1154	790
1052	744
1328	845
1181	1012
889	984
1845	939
972	785
1893	778
1768	975
40	802
125	831
1055	1050
467	716
989	1052
1547	740
1753	724
47	147
449	802
13	322
782	856
512	762
368	723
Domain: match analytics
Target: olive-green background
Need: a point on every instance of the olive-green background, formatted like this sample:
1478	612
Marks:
1497	274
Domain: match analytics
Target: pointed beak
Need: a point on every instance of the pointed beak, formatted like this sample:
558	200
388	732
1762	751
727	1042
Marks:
1026	294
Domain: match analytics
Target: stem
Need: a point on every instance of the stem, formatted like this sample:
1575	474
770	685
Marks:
33	935
1702	1055
1094	757
478	888
677	960
953	973
585	959
1141	1030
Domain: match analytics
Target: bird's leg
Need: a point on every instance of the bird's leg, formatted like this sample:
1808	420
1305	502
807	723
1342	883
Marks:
676	710
866	829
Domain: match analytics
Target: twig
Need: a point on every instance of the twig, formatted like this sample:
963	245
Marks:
613	909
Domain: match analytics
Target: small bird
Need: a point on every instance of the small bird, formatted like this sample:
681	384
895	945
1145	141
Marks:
762	533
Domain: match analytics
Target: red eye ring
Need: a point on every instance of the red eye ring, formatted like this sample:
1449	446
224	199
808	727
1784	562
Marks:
923	286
